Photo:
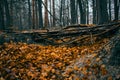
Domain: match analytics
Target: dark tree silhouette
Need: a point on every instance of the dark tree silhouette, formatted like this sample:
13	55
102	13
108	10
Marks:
40	13
115	57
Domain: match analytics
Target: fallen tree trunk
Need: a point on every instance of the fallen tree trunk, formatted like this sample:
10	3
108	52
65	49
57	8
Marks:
70	34
97	31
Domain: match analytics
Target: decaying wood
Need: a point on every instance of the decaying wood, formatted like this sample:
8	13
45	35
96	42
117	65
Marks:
70	34
74	32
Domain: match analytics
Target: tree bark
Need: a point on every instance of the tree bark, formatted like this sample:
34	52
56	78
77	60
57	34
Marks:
36	15
61	10
29	15
115	57
2	27
51	19
110	10
11	13
53	12
73	12
94	12
68	18
87	4
40	14
116	9
7	14
33	14
46	15
20	20
63	17
102	11
82	12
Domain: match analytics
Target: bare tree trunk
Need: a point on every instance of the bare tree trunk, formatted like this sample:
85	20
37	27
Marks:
98	10
68	18
2	27
110	10
11	13
94	12
87	4
73	11
46	15
36	15
40	14
102	11
51	20
116	9
29	15
53	12
63	17
82	12
20	21
7	13
33	14
76	7
103	14
61	10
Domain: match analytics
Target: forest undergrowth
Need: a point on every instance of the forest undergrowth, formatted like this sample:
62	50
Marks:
22	61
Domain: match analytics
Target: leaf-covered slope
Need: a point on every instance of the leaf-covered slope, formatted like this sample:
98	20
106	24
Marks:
31	61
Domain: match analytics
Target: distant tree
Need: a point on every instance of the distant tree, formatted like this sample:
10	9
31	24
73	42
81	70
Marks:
11	12
76	7
51	18
116	9
94	12
36	14
46	15
20	19
53	12
63	13
29	14
82	11
68	12
2	27
109	3
40	13
102	11
33	14
87	11
26	14
73	11
7	14
61	10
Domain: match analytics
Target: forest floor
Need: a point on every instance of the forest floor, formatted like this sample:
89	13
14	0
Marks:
22	61
88	59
